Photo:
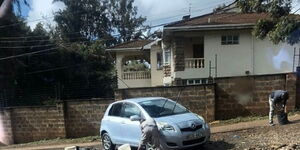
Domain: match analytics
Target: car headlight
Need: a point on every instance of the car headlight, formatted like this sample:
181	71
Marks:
207	126
165	126
200	117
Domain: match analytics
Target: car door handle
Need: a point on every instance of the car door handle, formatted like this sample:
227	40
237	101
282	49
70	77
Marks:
123	122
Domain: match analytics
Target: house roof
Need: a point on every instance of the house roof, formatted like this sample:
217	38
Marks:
220	19
134	45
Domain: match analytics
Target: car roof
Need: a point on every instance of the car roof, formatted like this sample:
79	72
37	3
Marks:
142	99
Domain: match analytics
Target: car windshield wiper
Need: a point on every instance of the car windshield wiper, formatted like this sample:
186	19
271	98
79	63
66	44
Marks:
161	109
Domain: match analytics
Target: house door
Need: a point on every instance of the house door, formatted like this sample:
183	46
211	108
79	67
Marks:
198	50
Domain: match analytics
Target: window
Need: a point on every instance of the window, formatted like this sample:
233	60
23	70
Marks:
197	81
167	57
130	110
159	60
230	39
115	110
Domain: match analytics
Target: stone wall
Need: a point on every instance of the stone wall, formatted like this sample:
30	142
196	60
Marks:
244	96
226	99
298	90
232	97
200	99
83	117
178	49
65	120
6	135
37	123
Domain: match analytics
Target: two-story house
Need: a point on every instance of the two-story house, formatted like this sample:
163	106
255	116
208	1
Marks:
194	50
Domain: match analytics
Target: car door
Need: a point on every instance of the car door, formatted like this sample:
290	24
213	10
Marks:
130	128
114	122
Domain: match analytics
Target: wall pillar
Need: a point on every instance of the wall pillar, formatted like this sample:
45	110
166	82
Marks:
297	100
6	131
178	48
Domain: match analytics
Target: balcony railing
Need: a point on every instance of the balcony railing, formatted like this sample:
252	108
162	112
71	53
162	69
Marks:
194	63
136	75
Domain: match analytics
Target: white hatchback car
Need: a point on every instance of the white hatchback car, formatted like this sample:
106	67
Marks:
179	127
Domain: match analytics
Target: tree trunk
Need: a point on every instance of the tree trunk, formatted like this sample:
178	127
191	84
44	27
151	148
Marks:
4	7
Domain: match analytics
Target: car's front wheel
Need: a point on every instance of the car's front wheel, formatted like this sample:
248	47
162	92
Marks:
107	143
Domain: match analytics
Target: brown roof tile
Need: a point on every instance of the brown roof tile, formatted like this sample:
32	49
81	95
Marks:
132	44
218	19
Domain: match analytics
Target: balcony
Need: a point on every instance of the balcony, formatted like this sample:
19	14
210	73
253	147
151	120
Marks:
194	63
136	75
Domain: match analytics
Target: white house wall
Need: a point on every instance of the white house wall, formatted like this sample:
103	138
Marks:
157	75
251	54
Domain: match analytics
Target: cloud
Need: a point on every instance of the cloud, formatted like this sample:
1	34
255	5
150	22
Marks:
159	11
165	11
43	9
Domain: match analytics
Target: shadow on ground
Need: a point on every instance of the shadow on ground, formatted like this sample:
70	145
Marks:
214	145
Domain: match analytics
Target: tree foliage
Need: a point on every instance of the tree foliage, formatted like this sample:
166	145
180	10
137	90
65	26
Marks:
125	20
85	20
112	21
279	26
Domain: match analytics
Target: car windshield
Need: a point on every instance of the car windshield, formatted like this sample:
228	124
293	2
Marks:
162	107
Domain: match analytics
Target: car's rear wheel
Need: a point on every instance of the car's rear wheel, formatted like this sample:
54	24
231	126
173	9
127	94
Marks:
107	143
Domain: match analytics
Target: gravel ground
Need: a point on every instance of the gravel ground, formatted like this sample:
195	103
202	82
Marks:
285	137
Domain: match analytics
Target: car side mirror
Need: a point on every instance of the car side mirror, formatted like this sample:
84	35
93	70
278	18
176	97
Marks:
135	118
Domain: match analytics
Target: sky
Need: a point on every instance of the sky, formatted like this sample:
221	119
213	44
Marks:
157	11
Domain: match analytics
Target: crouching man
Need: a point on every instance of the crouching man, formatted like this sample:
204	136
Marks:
150	135
277	101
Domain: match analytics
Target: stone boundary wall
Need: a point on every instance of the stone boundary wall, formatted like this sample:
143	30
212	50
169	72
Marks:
78	118
248	96
200	99
227	98
83	117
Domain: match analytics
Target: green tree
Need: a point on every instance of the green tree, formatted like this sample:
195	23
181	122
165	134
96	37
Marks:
280	25
126	20
86	20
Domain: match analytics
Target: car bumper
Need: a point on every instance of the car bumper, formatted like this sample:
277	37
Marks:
178	139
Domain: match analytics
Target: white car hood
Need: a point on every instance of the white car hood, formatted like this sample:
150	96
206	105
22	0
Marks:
178	119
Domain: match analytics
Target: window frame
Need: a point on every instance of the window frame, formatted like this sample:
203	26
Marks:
111	108
230	39
159	66
194	81
124	107
167	59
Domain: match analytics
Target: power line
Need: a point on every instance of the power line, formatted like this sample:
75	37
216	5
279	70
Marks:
25	37
30	41
57	68
15	24
27	54
21	47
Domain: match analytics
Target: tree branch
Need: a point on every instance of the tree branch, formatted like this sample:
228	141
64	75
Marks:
4	7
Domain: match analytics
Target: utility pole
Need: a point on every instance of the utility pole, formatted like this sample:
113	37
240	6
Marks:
190	8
